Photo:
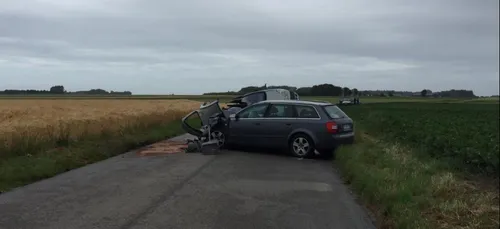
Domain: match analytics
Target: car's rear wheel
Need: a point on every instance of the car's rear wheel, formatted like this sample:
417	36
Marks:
301	146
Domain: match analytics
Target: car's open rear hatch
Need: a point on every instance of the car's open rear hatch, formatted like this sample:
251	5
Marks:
205	112
188	128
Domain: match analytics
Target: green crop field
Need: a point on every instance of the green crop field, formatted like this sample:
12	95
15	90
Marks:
426	164
465	135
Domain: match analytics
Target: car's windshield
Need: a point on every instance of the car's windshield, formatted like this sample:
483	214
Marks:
334	112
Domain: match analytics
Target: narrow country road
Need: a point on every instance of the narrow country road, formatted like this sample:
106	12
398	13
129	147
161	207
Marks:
230	190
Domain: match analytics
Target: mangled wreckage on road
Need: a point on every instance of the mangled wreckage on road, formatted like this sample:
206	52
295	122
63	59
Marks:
271	119
214	119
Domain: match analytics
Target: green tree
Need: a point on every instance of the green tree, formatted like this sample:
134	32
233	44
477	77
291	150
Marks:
347	91
355	92
423	93
58	89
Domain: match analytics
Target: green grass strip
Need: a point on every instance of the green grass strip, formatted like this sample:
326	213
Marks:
21	170
406	191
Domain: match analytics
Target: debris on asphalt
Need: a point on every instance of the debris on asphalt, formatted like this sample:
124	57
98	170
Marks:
172	147
193	146
163	147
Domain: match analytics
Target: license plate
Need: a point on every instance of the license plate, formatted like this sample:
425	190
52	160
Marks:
347	127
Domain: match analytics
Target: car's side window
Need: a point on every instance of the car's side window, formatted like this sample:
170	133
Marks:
256	111
306	112
280	111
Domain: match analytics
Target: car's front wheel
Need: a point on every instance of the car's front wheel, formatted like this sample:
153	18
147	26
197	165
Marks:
220	137
301	146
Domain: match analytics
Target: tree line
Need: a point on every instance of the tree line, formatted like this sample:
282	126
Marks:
316	90
333	90
59	90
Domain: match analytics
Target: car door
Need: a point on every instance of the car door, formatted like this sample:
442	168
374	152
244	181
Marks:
278	124
246	129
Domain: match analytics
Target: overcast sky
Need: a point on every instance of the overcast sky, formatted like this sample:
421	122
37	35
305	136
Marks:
196	46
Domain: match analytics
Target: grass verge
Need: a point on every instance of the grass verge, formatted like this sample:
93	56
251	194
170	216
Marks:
23	169
405	191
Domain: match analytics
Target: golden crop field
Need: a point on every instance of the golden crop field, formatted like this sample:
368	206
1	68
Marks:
29	123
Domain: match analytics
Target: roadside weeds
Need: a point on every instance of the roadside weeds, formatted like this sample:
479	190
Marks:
405	191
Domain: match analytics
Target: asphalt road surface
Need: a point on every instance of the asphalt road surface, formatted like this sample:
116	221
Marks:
229	190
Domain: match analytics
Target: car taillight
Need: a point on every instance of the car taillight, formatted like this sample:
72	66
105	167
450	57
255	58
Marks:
331	127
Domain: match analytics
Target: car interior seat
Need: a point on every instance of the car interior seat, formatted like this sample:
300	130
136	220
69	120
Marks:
253	114
289	111
306	113
273	112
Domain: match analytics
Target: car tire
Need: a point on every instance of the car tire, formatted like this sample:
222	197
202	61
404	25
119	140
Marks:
220	136
301	146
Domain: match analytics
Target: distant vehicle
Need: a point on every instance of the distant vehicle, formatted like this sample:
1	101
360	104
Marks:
348	101
302	127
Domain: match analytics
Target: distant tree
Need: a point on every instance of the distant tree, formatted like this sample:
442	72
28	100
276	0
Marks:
249	89
58	89
347	91
423	93
457	93
304	91
326	90
391	94
355	92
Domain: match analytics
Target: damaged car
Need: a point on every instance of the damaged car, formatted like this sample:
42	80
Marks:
303	128
214	119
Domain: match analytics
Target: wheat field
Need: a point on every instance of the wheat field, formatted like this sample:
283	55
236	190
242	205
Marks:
31	125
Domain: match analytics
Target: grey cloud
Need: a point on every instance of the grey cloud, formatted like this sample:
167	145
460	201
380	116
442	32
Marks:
399	44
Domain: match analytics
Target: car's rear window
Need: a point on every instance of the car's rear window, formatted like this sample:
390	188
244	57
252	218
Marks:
334	111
